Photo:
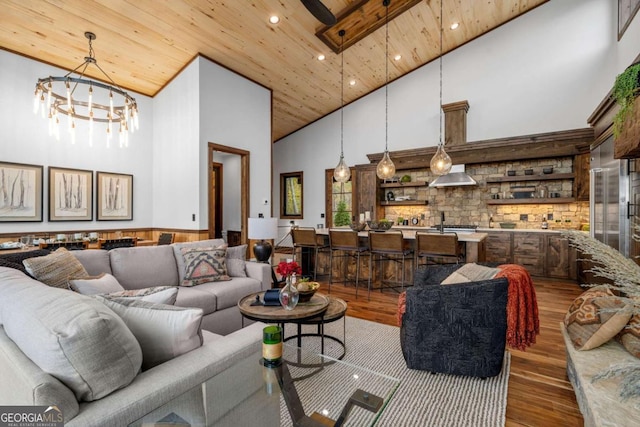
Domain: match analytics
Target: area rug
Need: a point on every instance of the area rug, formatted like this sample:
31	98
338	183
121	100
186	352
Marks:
422	399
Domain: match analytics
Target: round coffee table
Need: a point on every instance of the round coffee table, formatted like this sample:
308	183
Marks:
321	309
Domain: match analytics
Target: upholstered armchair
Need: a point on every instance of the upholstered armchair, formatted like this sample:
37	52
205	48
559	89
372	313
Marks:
456	329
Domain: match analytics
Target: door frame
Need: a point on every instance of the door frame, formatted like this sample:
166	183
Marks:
244	185
217	193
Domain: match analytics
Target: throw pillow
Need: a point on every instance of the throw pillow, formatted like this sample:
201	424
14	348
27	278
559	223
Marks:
70	336
471	272
56	268
204	265
156	294
589	321
93	285
629	336
163	331
236	261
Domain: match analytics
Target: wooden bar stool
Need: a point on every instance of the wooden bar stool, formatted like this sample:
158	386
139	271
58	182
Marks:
388	246
438	247
306	238
348	243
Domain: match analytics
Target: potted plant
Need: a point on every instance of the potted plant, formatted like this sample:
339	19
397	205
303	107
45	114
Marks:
625	90
342	217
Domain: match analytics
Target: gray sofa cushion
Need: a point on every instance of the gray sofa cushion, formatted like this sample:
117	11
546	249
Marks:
229	293
70	336
95	261
144	267
198	298
212	243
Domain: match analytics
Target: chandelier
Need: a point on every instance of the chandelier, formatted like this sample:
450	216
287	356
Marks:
342	173
103	103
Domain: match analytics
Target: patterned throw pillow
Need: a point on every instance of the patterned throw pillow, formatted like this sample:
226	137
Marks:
588	321
236	261
204	265
156	294
471	272
56	268
629	336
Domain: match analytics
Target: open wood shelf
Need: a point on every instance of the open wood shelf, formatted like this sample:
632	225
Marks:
403	184
543	177
404	203
532	201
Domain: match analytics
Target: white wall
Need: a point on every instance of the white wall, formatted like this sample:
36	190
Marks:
176	174
236	112
25	139
231	202
545	71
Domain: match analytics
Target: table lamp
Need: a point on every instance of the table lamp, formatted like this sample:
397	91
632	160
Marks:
263	229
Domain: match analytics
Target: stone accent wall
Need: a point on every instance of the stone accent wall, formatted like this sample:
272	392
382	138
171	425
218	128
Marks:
468	205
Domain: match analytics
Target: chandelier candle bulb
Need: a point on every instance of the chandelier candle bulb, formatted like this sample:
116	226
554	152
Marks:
272	345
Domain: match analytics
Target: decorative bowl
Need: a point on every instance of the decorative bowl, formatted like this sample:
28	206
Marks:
380	226
511	173
547	171
358	226
311	289
528	171
507	225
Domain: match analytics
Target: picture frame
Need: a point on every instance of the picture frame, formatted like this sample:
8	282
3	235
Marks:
627	10
114	200
70	194
20	192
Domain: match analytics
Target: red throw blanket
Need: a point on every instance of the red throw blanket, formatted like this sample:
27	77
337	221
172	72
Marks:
523	323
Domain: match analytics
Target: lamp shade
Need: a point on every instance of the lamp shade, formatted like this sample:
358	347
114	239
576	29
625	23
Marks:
263	228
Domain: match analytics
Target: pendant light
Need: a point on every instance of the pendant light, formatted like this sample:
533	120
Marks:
342	173
440	162
386	169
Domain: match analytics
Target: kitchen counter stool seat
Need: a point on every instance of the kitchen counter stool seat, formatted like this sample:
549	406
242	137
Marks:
388	246
347	244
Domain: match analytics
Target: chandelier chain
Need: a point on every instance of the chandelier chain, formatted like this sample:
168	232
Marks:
341	93
386	86
440	61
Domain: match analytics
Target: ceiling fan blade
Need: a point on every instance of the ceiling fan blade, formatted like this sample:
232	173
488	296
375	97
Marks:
320	11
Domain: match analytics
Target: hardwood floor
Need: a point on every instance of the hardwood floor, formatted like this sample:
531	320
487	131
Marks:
539	391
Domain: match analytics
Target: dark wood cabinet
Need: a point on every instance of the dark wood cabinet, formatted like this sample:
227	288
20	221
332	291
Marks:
528	251
560	258
368	192
581	164
498	247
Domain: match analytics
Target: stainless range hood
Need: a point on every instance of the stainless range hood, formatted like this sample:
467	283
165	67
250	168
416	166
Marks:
455	178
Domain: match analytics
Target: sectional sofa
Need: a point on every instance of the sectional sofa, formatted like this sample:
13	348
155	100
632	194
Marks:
62	348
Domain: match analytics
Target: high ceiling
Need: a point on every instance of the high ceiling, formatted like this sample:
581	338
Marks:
143	44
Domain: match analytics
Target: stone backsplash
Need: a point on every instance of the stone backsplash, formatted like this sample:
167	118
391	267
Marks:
468	205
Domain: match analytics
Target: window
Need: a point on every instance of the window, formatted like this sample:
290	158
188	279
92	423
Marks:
291	195
339	192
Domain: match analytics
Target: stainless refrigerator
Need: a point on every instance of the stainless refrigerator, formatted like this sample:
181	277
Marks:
609	202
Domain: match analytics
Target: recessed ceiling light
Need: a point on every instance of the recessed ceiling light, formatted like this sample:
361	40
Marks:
454	25
274	19
397	57
321	57
352	82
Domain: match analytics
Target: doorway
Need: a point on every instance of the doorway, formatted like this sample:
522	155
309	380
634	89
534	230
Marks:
217	154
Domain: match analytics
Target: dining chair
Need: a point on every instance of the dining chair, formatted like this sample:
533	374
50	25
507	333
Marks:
345	244
388	246
440	248
305	238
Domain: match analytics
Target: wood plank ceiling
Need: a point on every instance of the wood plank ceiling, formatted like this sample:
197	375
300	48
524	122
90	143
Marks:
143	44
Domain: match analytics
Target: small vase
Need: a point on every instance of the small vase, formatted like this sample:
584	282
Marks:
289	295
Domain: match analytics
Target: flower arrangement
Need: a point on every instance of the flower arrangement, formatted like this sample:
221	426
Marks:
286	269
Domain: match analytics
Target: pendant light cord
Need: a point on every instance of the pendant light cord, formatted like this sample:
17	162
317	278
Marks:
386	87
342	32
440	106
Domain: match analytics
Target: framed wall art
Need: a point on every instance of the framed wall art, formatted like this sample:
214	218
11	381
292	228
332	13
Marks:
70	194
115	197
20	192
627	9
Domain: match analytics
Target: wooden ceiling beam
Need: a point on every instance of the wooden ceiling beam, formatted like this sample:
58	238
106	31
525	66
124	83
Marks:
359	20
